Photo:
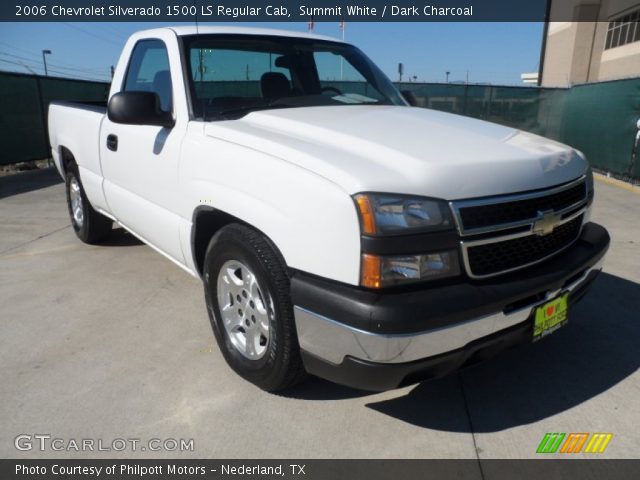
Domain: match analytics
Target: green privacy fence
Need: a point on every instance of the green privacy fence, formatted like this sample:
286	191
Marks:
24	100
598	119
536	110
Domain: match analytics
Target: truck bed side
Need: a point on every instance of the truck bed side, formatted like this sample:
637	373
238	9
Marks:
74	129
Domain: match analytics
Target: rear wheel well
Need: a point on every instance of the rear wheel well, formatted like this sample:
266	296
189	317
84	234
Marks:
67	159
207	221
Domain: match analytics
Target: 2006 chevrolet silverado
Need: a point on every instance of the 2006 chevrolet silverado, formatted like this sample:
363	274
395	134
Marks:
337	230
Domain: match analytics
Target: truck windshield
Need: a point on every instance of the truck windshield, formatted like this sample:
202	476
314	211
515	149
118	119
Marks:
232	75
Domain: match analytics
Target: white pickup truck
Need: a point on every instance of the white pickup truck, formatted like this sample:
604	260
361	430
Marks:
337	230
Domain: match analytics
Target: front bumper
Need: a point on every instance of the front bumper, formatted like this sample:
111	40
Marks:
379	341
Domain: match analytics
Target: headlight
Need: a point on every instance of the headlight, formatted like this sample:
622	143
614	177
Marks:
388	214
385	271
382	214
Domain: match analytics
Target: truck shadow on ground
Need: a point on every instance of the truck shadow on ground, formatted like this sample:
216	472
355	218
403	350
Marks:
598	349
28	181
119	237
318	389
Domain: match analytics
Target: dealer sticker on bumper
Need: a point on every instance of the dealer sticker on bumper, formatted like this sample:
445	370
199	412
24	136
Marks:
550	316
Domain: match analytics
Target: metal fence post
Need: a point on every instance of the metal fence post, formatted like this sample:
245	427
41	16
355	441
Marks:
466	95
43	120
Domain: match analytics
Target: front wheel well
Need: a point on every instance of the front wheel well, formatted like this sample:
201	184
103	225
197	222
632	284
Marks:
207	221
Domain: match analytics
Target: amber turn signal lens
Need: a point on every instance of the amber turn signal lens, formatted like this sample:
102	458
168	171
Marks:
367	216
370	276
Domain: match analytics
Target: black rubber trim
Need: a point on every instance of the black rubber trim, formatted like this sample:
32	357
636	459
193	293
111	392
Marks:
194	241
185	73
411	244
430	306
365	375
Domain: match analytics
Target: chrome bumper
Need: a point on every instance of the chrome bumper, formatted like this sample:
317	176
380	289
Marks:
333	341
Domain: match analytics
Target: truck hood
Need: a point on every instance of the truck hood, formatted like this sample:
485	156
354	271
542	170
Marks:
405	150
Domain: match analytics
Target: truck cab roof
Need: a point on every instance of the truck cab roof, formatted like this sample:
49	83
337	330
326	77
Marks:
226	30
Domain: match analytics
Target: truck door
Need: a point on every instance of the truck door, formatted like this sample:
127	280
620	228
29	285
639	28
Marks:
140	162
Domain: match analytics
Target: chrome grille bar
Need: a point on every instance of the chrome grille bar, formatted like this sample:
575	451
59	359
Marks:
458	205
523	228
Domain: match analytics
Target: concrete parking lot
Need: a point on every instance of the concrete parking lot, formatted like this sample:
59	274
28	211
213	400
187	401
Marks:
113	341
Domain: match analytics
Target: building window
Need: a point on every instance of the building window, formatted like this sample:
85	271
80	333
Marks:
623	29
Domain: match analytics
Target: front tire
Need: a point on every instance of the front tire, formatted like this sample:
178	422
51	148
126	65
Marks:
248	299
89	225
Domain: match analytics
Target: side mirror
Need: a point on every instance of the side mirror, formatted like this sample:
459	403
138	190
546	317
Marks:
410	97
138	108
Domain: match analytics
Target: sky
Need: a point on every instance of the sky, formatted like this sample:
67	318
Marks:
495	53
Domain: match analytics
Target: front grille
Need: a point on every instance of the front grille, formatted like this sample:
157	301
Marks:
491	258
489	215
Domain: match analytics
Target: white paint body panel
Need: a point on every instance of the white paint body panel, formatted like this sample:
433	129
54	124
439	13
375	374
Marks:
78	130
291	173
141	177
407	150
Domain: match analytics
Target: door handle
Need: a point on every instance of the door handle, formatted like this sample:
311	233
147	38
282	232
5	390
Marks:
112	142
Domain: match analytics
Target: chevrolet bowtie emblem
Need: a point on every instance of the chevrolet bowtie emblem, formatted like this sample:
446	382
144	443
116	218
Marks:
546	222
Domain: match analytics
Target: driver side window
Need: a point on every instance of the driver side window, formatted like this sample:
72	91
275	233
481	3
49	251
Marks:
148	71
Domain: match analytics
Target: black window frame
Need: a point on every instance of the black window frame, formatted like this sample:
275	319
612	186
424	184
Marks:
130	62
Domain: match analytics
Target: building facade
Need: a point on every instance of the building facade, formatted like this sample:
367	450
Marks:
601	42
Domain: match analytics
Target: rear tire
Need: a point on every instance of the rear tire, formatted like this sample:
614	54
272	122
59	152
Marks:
248	298
89	225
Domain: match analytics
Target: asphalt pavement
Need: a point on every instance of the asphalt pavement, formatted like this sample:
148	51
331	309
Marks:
113	341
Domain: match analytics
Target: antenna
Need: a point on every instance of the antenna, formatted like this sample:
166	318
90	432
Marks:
200	63
200	59
342	25
195	7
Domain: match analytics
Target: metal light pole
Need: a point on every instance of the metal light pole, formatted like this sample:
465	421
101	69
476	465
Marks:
447	76
44	60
